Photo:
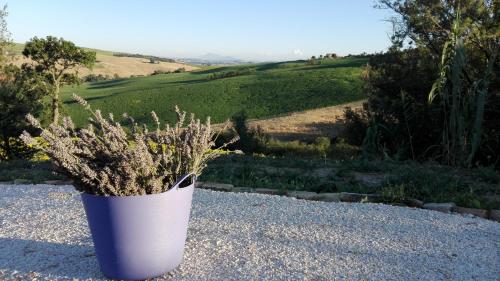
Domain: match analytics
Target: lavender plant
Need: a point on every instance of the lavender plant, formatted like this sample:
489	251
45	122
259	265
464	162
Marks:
103	159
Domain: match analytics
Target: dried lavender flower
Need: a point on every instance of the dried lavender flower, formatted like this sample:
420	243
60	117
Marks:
103	159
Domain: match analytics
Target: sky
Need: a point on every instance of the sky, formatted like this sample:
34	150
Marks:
257	30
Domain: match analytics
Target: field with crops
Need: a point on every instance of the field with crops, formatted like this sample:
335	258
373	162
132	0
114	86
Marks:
262	90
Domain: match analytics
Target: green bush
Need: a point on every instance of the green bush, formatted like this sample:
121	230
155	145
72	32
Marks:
251	140
97	77
234	73
158	72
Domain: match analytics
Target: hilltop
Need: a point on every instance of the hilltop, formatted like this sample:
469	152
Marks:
108	63
263	90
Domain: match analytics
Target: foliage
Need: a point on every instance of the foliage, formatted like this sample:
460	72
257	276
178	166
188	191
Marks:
96	78
5	39
355	121
399	181
250	140
271	91
56	60
463	107
151	59
282	173
289	148
19	95
322	147
158	72
234	73
403	124
102	160
28	171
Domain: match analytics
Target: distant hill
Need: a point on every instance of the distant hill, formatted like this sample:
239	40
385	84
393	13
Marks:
111	63
213	59
263	90
219	58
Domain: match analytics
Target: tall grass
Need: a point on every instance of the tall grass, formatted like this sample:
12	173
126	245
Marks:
462	101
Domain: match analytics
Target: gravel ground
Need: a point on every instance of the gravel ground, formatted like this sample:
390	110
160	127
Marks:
236	236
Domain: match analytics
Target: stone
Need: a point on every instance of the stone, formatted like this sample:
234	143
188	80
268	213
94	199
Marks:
306	195
268	191
241	189
476	212
440	207
327	197
414	203
58	182
216	186
358	197
495	215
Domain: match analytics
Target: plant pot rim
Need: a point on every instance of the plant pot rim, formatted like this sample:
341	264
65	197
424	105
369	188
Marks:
174	187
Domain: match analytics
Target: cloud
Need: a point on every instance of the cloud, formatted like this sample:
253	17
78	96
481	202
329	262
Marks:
297	52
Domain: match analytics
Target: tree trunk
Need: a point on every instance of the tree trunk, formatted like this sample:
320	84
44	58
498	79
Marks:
55	104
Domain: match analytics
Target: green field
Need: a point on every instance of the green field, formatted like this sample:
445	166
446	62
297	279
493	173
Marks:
262	90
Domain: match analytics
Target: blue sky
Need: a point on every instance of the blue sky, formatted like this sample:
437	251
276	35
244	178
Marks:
252	30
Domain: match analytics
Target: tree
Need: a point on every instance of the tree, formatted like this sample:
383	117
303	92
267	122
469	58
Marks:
20	94
5	40
399	81
56	61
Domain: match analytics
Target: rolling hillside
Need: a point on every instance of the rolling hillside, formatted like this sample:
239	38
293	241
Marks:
107	64
262	90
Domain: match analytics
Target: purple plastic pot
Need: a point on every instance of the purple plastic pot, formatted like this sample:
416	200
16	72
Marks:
139	237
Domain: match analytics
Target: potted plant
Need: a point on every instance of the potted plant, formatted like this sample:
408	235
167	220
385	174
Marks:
136	185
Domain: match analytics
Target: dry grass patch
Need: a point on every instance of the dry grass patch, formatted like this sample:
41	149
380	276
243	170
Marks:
306	125
122	66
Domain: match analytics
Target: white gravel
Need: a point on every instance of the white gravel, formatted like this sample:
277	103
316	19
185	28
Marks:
233	236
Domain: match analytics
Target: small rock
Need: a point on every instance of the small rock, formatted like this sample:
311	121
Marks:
414	203
440	207
267	191
476	212
58	182
327	197
495	215
242	189
358	197
216	186
306	195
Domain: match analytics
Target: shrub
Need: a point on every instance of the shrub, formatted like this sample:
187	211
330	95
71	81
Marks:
250	140
97	78
103	159
157	72
180	70
356	124
234	73
20	93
